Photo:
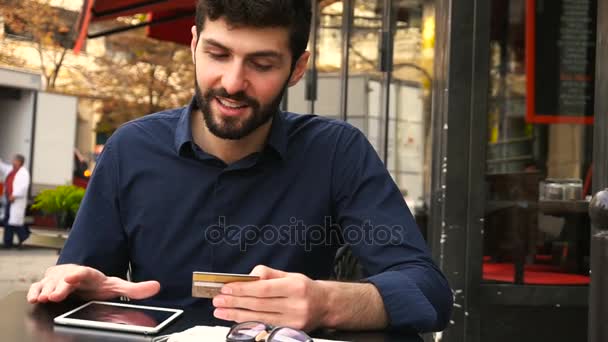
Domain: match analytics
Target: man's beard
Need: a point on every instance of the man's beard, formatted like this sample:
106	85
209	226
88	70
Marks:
237	127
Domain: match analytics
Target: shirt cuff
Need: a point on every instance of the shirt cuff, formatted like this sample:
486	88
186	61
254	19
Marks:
407	307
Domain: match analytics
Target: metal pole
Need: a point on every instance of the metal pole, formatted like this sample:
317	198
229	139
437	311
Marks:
311	76
386	66
347	20
598	301
598	208
600	126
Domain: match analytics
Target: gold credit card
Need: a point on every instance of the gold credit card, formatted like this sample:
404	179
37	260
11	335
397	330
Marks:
222	277
209	284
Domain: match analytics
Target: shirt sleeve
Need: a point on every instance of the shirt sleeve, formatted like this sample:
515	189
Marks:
97	238
376	222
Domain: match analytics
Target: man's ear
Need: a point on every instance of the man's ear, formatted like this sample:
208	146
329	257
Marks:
193	43
300	68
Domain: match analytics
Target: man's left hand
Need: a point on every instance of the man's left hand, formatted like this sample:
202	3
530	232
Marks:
11	199
278	298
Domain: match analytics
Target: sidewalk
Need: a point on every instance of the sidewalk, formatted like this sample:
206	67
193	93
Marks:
21	267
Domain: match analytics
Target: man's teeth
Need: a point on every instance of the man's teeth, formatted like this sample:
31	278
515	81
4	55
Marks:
230	105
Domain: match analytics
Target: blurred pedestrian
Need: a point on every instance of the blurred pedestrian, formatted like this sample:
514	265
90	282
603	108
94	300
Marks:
16	185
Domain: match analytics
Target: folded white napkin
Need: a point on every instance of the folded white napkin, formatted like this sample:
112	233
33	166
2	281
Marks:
200	333
210	334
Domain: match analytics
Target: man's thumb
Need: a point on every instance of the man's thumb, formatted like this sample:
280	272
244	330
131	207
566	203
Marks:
142	290
265	272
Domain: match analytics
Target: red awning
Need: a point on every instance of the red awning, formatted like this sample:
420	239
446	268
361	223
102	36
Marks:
167	19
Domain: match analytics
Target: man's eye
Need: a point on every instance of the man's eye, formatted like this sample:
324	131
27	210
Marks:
261	67
217	56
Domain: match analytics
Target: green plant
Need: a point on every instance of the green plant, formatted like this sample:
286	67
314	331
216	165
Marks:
63	201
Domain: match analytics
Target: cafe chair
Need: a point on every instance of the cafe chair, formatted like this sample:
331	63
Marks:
346	265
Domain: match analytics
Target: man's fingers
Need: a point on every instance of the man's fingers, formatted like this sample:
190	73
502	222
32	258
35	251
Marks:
238	315
142	290
273	305
62	290
47	288
265	272
60	281
80	275
260	288
33	293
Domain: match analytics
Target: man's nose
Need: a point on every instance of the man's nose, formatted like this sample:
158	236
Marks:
234	79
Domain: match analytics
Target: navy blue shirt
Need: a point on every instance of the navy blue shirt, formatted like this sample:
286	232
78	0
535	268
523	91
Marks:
160	203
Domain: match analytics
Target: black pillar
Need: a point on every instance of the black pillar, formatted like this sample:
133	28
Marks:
459	124
598	293
598	209
600	129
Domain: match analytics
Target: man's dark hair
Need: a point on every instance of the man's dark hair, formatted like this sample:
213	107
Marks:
292	14
20	158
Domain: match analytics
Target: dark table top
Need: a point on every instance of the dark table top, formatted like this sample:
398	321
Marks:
24	322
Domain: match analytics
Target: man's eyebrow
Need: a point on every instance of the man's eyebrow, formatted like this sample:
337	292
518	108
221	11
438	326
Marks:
215	43
267	54
262	53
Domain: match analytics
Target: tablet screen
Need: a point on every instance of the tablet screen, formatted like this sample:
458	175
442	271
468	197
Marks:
121	315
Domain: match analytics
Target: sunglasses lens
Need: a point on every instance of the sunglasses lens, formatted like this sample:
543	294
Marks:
246	331
288	335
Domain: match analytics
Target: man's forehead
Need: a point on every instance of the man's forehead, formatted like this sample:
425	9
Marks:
246	39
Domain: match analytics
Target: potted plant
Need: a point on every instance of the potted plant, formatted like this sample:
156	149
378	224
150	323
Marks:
63	202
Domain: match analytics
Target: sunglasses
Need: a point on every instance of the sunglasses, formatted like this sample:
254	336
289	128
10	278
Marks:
258	331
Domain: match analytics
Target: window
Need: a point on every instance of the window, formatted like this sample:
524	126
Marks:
539	153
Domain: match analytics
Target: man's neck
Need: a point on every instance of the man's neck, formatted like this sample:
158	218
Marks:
229	151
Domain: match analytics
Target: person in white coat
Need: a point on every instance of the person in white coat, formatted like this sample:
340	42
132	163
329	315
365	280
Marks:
16	186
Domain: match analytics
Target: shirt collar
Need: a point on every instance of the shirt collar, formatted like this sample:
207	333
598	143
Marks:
183	131
277	139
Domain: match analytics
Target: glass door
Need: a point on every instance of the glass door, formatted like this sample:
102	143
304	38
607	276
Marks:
372	67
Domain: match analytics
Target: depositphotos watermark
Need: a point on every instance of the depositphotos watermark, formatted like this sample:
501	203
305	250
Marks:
297	233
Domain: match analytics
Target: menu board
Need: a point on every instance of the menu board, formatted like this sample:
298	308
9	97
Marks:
560	60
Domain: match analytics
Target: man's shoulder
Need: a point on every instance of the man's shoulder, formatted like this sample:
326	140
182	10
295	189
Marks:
168	117
155	124
326	136
316	125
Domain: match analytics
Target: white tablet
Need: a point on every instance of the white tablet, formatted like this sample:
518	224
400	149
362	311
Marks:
118	316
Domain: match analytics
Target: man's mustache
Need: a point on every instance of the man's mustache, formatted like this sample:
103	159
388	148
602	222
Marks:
237	97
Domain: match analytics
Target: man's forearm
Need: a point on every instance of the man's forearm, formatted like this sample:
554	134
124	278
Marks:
353	306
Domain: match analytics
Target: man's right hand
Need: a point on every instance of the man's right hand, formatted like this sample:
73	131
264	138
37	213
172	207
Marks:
88	283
